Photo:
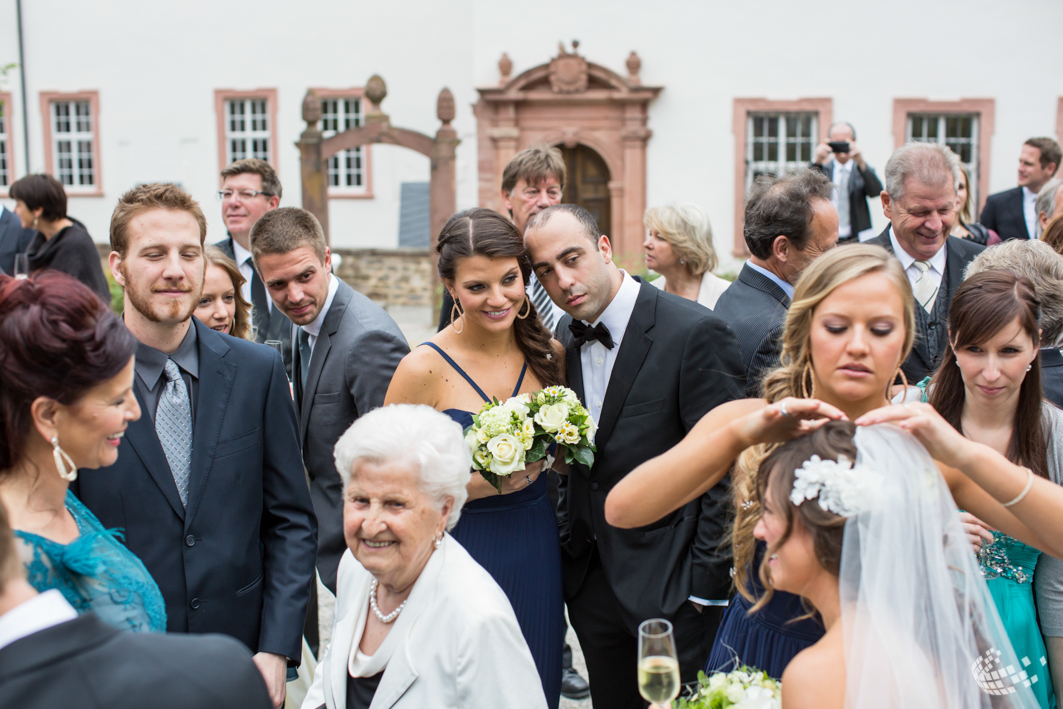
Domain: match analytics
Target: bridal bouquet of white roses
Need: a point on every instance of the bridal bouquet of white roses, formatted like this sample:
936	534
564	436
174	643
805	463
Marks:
744	688
505	436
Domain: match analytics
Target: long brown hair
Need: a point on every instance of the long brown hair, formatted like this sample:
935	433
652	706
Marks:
242	317
483	232
983	305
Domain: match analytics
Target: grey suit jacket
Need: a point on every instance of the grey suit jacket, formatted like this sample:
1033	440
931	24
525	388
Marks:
13	240
353	361
755	307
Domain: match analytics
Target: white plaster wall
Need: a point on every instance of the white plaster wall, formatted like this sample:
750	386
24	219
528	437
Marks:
156	67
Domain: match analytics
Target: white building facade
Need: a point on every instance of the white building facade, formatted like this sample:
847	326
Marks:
118	93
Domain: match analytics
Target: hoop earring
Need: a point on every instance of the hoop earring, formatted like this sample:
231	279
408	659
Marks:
527	300
904	381
808	384
455	313
62	460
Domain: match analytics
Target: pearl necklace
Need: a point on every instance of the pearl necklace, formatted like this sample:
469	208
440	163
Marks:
376	610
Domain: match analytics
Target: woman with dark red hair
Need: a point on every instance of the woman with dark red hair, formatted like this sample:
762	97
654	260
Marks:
66	398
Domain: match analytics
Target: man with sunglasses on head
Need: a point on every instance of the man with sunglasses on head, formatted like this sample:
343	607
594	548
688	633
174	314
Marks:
250	188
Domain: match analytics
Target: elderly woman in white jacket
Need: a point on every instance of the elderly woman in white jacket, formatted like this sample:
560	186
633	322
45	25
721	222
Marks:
418	622
679	246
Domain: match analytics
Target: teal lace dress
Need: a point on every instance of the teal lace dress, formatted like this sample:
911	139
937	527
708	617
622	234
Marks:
95	572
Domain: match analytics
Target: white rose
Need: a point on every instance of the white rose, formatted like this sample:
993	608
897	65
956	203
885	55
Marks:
479	458
736	693
516	405
568	433
592	428
717	680
541	398
508	454
472	440
551	416
481	436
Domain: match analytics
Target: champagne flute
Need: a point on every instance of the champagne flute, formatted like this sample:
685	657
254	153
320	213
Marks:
22	265
279	346
658	663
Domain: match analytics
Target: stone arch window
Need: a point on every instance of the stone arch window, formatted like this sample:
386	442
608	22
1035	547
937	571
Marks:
599	119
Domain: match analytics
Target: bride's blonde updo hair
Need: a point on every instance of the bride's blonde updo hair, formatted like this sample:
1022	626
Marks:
793	377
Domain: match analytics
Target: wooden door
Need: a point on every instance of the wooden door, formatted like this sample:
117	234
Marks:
588	184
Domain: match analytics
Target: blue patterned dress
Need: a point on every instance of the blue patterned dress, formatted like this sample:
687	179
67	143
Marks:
96	573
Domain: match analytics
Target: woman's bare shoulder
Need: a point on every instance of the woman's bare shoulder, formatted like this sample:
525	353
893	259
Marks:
816	676
417	377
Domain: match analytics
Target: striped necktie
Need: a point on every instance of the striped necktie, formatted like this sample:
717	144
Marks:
924	290
542	304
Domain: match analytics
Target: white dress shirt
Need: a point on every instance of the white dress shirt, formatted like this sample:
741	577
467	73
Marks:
786	287
39	613
597	362
1029	210
247	270
844	230
314	328
937	262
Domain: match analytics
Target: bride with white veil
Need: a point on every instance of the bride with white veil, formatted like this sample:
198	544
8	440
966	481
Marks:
861	523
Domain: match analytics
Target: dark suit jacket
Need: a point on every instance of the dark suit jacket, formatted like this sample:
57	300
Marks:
13	240
755	307
862	185
677	361
1052	376
354	358
240	559
1003	214
87	664
922	362
270	324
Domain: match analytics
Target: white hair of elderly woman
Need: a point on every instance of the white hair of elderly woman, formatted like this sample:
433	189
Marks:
430	441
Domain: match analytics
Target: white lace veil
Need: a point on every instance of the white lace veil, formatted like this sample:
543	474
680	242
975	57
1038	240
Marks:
920	627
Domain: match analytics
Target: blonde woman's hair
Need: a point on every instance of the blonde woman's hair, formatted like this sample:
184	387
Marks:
686	228
793	377
242	318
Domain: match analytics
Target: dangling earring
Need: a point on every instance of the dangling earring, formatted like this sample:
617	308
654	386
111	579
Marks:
527	300
35	220
455	313
62	461
438	541
808	384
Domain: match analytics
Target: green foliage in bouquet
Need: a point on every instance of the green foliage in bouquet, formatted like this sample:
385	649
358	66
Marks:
502	439
744	688
560	418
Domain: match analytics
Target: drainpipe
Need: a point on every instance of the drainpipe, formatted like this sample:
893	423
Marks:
22	74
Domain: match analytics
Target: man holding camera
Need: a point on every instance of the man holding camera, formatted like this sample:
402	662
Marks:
840	160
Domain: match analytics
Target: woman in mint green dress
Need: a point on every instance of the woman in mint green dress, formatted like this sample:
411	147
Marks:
988	387
66	398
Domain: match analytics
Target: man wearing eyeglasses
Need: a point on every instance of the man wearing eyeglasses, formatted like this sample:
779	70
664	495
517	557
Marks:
250	188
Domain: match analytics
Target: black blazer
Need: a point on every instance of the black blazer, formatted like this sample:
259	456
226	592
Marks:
86	663
921	362
240	559
354	359
862	185
13	240
677	362
1003	214
270	324
73	252
1052	376
755	307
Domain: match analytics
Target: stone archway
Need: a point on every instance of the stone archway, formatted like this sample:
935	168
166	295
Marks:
572	102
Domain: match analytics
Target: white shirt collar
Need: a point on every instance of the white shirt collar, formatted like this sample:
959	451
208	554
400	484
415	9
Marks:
314	328
847	165
937	261
41	612
617	314
786	287
1028	195
241	254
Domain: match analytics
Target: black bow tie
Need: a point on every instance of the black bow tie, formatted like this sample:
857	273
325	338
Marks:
583	333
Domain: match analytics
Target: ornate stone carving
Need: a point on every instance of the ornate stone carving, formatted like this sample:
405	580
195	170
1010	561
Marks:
634	64
568	72
311	108
505	68
445	106
376	90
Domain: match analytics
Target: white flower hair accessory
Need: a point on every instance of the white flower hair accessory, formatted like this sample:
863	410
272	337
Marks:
841	488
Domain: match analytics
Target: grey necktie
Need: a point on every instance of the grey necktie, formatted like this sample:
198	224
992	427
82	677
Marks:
173	424
924	290
542	304
843	200
304	356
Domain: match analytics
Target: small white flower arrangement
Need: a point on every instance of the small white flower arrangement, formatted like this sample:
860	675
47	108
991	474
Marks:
505	436
841	488
744	688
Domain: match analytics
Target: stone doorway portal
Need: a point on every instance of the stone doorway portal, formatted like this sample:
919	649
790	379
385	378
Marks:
588	184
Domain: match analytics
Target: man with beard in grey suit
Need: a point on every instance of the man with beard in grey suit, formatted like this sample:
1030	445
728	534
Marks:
345	351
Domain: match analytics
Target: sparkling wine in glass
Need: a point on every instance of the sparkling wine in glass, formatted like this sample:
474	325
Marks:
658	663
22	265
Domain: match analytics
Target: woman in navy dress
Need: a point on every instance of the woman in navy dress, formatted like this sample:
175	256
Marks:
496	347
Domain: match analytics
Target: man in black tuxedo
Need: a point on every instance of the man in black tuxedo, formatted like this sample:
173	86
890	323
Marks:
648	365
347	349
13	240
209	485
52	657
854	181
920	202
789	222
1012	213
250	188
